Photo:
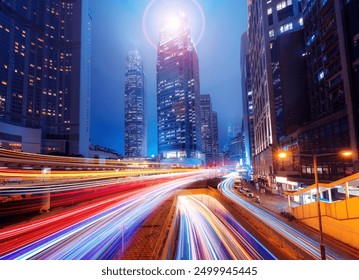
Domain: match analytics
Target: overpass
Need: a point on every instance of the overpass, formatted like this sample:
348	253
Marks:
340	215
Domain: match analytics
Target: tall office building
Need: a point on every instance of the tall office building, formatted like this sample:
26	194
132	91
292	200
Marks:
207	128
234	149
237	148
178	90
331	80
215	137
45	76
247	101
274	91
330	124
351	25
135	130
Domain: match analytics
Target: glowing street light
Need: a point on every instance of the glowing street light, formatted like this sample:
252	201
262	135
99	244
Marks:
346	153
282	154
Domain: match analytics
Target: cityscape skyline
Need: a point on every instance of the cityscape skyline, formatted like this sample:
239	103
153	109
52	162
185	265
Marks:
179	130
213	79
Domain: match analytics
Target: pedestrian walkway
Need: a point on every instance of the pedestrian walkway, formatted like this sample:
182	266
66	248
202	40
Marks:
277	203
271	201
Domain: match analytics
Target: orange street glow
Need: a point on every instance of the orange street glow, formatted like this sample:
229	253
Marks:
347	153
282	155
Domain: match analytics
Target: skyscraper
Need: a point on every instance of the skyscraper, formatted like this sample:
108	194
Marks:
268	25
178	89
247	101
332	89
317	41
135	130
45	76
215	137
236	148
351	25
207	128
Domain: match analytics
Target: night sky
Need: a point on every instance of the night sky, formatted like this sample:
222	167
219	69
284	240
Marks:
117	27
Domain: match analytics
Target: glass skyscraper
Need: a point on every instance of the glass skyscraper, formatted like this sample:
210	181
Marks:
135	140
178	89
247	101
207	127
45	76
215	137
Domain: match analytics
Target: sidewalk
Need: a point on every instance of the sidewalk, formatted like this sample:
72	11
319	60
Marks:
273	202
277	203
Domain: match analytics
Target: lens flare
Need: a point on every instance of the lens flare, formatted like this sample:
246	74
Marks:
150	6
172	23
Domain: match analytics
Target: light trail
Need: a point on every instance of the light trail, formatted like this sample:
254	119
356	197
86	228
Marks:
28	198
208	232
25	176
86	184
41	159
310	246
102	231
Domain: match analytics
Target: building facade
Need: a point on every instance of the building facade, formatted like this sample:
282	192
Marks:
268	25
247	101
351	26
209	130
178	90
45	73
206	127
237	149
317	114
135	129
215	151
333	97
259	60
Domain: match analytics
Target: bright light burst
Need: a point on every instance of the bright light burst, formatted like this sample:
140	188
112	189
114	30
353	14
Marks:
156	11
173	23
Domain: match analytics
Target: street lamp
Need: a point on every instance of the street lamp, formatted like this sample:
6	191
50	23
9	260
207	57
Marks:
346	153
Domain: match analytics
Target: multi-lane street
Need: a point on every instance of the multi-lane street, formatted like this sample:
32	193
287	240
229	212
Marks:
85	213
208	231
96	230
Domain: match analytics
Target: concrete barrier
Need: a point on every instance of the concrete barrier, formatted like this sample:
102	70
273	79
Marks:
166	242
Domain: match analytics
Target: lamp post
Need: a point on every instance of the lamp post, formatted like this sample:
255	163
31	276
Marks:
321	239
347	153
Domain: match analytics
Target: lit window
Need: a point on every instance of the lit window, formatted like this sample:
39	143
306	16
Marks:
301	21
283	4
271	33
286	27
269	11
